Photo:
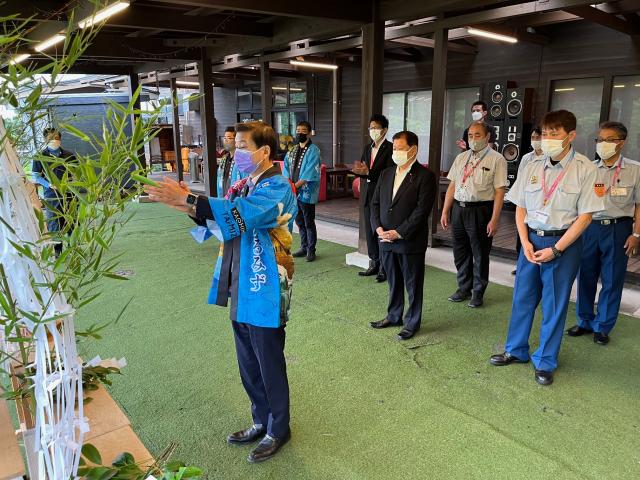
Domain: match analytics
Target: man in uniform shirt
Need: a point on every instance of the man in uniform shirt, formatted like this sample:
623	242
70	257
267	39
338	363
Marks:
478	114
302	167
612	236
376	157
555	199
228	173
474	201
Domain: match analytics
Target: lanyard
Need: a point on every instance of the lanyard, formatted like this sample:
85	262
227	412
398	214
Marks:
548	194
616	174
469	168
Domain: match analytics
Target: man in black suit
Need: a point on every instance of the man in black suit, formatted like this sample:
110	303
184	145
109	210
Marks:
400	212
375	158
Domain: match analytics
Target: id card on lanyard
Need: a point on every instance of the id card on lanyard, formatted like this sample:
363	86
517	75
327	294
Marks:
469	168
615	191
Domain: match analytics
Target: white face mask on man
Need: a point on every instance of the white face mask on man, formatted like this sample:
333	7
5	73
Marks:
375	134
606	150
401	157
476	116
553	147
477	145
536	144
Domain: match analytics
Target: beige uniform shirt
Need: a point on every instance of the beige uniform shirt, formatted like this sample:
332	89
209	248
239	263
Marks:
489	174
620	199
575	194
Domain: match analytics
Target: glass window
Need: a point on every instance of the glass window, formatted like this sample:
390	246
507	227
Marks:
393	109
419	121
279	95
256	95
457	116
297	93
583	97
625	108
244	99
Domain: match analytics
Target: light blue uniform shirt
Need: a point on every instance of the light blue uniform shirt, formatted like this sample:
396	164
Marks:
527	158
574	196
490	174
620	199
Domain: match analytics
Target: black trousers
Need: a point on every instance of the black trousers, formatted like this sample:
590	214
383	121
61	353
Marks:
306	222
404	271
263	371
471	246
373	249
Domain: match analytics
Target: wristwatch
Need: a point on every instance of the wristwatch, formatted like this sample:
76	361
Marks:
556	253
637	235
191	200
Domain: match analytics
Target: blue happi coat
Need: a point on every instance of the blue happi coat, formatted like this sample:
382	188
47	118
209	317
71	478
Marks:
309	171
256	227
234	177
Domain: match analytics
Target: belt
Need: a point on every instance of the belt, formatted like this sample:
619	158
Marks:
474	204
548	233
613	221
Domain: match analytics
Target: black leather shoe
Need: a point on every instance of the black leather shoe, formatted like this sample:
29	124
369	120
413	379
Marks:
267	448
459	296
381	277
476	301
405	334
600	338
513	272
300	253
578	331
543	377
384	323
505	358
311	256
249	435
372	270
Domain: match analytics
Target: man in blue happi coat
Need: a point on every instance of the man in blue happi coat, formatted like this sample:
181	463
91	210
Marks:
254	269
228	172
302	166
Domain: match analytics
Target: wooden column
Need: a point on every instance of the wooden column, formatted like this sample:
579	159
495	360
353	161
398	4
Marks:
438	93
335	116
177	144
133	85
370	94
265	88
208	123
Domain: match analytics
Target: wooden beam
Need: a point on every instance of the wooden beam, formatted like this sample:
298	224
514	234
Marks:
208	123
430	43
354	10
438	94
605	19
265	88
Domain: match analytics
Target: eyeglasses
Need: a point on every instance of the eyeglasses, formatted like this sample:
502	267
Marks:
615	140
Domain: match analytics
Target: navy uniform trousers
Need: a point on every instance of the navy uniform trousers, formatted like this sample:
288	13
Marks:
603	256
306	222
550	283
263	371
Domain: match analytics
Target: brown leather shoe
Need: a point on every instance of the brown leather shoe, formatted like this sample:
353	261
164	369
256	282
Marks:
248	435
267	448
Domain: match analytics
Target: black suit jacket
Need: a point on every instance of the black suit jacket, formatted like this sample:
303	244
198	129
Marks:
408	212
382	161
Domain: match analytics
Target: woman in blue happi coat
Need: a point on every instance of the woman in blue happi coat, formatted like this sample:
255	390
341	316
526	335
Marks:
302	166
254	269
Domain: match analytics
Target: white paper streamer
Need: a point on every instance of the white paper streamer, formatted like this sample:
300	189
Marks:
59	427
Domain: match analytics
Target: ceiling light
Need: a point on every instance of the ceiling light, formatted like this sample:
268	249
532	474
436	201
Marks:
186	83
618	86
103	14
19	58
49	42
278	88
494	36
637	85
326	66
569	89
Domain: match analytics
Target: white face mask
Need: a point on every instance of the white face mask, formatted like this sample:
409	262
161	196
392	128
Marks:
536	144
552	147
375	134
606	150
475	116
400	157
53	144
477	145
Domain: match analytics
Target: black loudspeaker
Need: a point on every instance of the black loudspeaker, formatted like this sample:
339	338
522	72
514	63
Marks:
495	96
498	125
516	142
519	104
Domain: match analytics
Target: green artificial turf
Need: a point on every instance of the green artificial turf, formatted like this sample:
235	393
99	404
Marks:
363	405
